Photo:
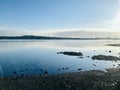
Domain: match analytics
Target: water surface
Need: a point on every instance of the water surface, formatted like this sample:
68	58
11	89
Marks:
36	57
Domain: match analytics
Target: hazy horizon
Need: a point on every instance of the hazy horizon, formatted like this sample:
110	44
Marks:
65	18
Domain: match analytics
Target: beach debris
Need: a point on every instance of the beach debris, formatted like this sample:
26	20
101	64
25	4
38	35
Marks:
71	53
105	57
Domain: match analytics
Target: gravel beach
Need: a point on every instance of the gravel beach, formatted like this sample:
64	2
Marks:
86	80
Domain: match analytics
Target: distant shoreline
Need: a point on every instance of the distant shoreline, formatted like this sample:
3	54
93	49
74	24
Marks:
31	37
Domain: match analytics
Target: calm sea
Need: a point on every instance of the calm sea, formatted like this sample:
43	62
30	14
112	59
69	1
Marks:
37	57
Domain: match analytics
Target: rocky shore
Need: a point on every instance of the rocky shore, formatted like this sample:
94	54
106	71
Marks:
84	80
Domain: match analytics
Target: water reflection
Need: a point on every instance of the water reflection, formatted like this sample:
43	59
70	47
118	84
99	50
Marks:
40	56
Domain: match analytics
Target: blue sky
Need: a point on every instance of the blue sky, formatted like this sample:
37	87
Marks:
51	15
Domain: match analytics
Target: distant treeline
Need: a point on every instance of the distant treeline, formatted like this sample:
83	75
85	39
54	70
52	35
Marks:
46	37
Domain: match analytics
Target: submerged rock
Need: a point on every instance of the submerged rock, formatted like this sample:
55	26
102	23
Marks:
14	72
110	51
81	57
66	68
87	56
59	69
46	72
94	64
26	69
118	45
104	57
71	53
79	69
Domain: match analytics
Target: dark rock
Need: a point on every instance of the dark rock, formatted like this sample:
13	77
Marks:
14	72
113	65
46	72
58	69
79	69
71	53
118	45
110	51
104	57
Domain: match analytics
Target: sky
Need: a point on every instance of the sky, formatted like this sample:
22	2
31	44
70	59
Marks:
49	17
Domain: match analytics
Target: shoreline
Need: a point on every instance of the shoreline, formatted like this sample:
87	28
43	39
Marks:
84	80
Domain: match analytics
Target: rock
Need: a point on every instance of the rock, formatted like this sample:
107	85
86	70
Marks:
46	72
104	57
110	51
58	69
113	64
79	69
71	53
118	45
14	72
94	64
87	56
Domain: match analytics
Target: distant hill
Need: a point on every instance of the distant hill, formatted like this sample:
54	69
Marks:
32	37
